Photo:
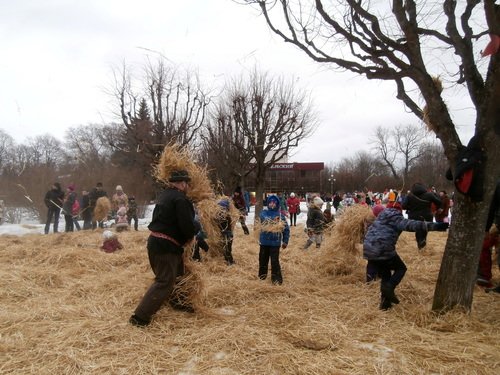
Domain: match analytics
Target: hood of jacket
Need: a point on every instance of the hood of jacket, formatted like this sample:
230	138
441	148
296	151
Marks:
276	200
418	189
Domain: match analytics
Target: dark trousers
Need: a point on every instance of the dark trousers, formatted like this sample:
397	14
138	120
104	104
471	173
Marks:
273	253
76	224
243	224
293	219
166	266
52	212
228	249
87	219
421	236
391	271
69	223
136	221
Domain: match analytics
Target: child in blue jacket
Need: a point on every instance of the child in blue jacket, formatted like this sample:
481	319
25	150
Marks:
274	234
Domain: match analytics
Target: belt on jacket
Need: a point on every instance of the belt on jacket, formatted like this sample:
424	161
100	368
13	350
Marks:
166	237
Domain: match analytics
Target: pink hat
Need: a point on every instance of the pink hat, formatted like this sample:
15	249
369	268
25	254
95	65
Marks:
377	209
71	187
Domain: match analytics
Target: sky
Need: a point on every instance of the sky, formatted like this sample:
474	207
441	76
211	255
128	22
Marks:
58	57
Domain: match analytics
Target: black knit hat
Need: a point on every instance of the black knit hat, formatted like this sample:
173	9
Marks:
180	175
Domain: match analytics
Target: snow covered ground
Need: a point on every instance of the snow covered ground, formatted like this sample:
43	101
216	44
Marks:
31	227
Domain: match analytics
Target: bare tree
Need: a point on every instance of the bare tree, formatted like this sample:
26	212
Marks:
175	103
399	148
6	149
396	44
270	117
88	146
45	150
225	149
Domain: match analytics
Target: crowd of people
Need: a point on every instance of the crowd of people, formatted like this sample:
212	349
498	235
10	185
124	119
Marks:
175	224
58	201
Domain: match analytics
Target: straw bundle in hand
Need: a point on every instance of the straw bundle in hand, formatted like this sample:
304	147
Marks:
174	158
102	207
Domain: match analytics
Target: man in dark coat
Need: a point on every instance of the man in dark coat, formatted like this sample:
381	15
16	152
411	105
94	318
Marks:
54	199
418	207
172	227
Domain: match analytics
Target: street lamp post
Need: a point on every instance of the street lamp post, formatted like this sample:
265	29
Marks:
332	181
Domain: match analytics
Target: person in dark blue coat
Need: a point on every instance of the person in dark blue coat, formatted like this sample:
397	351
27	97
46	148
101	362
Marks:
379	248
274	234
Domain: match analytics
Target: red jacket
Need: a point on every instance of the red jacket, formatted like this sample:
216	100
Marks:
293	204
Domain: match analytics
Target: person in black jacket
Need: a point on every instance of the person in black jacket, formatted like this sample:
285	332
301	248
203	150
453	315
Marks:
53	200
418	207
86	211
172	227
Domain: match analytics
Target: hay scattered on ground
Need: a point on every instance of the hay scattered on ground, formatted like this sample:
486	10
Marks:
102	207
65	306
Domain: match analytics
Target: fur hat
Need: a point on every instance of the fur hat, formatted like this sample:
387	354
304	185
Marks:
318	202
107	234
292	195
179	175
119	188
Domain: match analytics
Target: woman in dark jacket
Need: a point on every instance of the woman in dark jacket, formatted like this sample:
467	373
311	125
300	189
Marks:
418	207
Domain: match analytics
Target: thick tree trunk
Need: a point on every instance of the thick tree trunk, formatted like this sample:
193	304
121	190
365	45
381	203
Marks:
455	284
458	272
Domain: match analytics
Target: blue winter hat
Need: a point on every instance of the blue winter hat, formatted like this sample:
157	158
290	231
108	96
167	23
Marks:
224	203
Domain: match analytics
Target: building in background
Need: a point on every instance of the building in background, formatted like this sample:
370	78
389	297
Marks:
300	178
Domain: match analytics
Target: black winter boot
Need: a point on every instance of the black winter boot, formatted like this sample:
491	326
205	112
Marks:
138	322
388	292
385	303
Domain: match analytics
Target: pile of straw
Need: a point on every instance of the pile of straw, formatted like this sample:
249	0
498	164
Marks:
174	158
102	207
66	305
350	227
343	242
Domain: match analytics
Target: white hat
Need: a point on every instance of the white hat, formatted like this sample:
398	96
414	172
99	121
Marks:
107	234
292	195
119	188
318	202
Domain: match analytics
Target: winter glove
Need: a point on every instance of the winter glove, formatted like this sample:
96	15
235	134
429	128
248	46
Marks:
284	245
440	227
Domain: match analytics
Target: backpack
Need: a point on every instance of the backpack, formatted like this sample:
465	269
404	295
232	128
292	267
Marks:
75	209
469	170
